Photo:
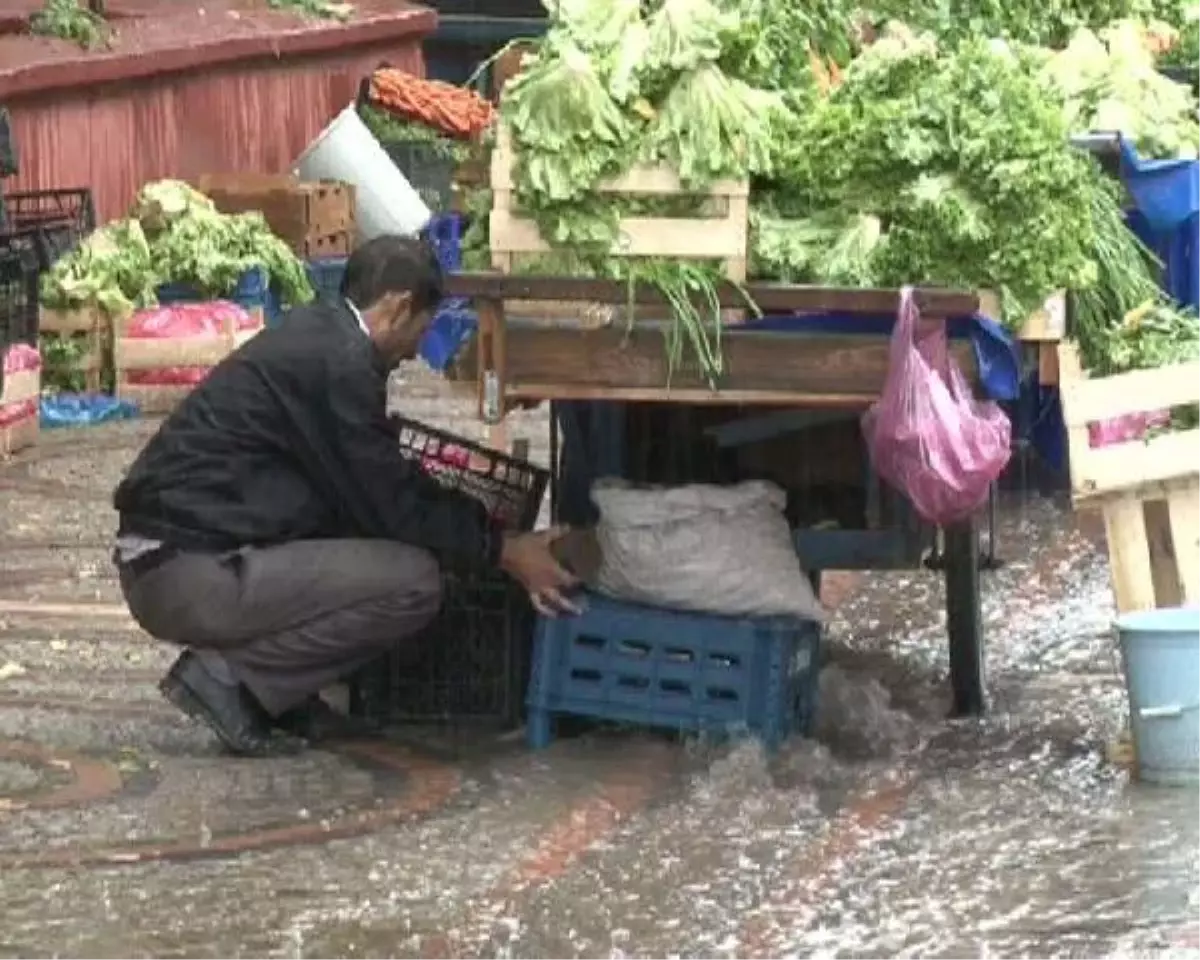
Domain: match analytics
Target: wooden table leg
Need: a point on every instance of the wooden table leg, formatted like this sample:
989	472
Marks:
492	369
964	619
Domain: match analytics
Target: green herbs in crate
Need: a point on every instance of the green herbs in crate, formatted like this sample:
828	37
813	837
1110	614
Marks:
175	235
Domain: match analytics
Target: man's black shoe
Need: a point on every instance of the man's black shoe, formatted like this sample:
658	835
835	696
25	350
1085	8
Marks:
230	711
315	720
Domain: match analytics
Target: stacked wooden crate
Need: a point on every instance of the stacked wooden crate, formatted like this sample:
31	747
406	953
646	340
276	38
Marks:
315	219
88	332
139	355
720	237
19	393
1147	488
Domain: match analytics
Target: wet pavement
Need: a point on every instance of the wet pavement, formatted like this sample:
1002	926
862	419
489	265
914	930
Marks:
123	831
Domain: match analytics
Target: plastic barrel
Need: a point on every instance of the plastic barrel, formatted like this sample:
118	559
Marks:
1160	650
346	150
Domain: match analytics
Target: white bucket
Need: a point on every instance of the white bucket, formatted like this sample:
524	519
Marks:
386	202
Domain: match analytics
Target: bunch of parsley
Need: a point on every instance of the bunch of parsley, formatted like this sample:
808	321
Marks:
950	167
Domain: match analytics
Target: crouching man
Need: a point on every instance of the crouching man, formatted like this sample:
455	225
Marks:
272	528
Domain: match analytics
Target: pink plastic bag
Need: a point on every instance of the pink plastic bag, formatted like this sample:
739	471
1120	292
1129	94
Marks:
927	435
1127	428
183	320
21	357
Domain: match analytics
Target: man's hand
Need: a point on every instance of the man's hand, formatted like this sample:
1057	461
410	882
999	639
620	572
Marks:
527	558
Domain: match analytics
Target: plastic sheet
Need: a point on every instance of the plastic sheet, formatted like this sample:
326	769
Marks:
82	410
927	436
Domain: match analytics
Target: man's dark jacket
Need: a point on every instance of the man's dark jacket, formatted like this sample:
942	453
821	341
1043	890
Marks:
288	439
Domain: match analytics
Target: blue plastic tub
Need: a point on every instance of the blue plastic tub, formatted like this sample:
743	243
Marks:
1160	650
667	668
1166	192
253	291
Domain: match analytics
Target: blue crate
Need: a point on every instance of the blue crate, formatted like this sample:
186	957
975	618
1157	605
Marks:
666	668
450	328
444	231
1179	250
325	274
253	290
455	321
1165	192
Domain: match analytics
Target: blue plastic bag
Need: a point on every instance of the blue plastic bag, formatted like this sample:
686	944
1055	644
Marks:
83	409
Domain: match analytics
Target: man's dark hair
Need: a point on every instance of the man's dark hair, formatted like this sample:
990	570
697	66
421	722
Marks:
392	264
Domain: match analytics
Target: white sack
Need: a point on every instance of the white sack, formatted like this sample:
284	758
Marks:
700	547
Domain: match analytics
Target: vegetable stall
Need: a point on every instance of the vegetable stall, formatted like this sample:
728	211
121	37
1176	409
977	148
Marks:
612	271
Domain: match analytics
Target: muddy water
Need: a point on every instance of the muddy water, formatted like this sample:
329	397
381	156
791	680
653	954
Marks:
894	833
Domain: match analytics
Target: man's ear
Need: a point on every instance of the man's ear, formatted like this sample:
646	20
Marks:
395	306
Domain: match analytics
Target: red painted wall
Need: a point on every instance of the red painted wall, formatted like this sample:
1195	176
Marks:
256	113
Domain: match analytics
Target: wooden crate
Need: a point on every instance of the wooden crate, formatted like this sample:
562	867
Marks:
304	215
1147	490
1045	325
91	325
720	238
132	354
19	388
316	247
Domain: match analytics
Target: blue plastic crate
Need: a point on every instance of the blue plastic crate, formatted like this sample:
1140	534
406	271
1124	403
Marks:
455	321
1179	250
445	234
325	274
683	671
253	290
1166	192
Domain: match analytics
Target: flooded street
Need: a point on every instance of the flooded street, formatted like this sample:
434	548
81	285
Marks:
896	832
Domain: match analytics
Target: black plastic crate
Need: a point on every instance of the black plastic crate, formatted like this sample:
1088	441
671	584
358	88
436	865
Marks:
19	278
510	489
471	665
428	167
18	300
54	221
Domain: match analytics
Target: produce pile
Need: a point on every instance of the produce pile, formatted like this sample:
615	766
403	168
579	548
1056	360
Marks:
879	154
173	235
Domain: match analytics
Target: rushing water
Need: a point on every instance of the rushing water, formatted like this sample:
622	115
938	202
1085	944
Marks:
894	832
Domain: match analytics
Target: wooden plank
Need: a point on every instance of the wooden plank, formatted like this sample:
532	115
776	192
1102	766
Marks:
694	397
770	297
1129	555
848	368
79	320
697	238
1139	391
1049	373
1164	571
1183	505
144	353
1096	471
22	385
